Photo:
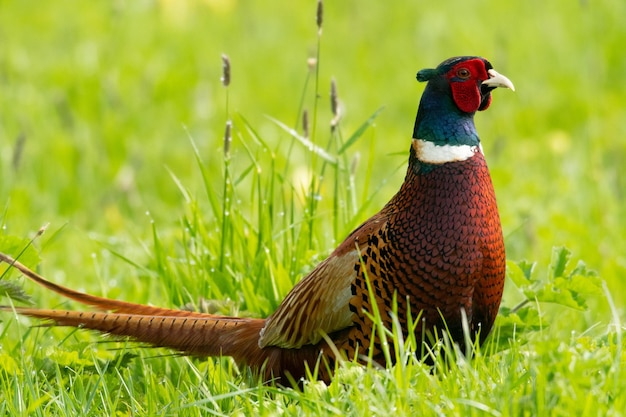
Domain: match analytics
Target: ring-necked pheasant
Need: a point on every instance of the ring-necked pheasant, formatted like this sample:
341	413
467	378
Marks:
437	246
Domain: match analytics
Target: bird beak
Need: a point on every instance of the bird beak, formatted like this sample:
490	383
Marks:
498	80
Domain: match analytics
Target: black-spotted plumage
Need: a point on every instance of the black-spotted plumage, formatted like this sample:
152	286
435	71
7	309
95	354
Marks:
435	255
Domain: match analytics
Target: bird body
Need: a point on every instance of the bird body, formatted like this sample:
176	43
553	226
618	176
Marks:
436	248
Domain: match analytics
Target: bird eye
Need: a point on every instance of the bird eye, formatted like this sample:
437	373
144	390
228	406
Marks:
463	73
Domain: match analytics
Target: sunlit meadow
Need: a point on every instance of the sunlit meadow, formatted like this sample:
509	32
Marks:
112	126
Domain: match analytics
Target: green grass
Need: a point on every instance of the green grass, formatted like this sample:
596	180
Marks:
112	118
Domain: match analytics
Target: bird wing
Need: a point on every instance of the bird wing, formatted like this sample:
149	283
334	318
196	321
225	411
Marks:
320	303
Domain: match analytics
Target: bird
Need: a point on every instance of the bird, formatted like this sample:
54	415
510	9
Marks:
434	253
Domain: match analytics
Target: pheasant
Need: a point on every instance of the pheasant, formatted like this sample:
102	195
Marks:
435	250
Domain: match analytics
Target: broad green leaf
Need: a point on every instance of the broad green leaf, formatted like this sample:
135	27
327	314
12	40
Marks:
557	286
527	268
559	293
560	258
516	274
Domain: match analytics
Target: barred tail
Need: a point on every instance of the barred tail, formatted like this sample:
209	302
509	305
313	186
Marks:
202	336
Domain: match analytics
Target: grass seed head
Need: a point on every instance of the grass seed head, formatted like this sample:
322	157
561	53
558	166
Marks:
225	70
334	102
319	18
334	105
227	137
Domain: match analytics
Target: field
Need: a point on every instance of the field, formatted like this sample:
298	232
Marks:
112	121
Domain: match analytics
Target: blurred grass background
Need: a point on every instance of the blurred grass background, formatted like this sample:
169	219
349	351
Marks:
100	103
99	100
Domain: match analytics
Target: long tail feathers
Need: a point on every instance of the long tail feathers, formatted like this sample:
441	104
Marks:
188	332
98	302
201	336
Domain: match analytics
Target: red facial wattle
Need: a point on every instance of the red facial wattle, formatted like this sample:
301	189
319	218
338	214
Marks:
465	80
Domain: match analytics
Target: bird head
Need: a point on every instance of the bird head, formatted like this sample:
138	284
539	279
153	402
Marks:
470	79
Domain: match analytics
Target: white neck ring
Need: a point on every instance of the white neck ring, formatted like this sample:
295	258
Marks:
431	153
